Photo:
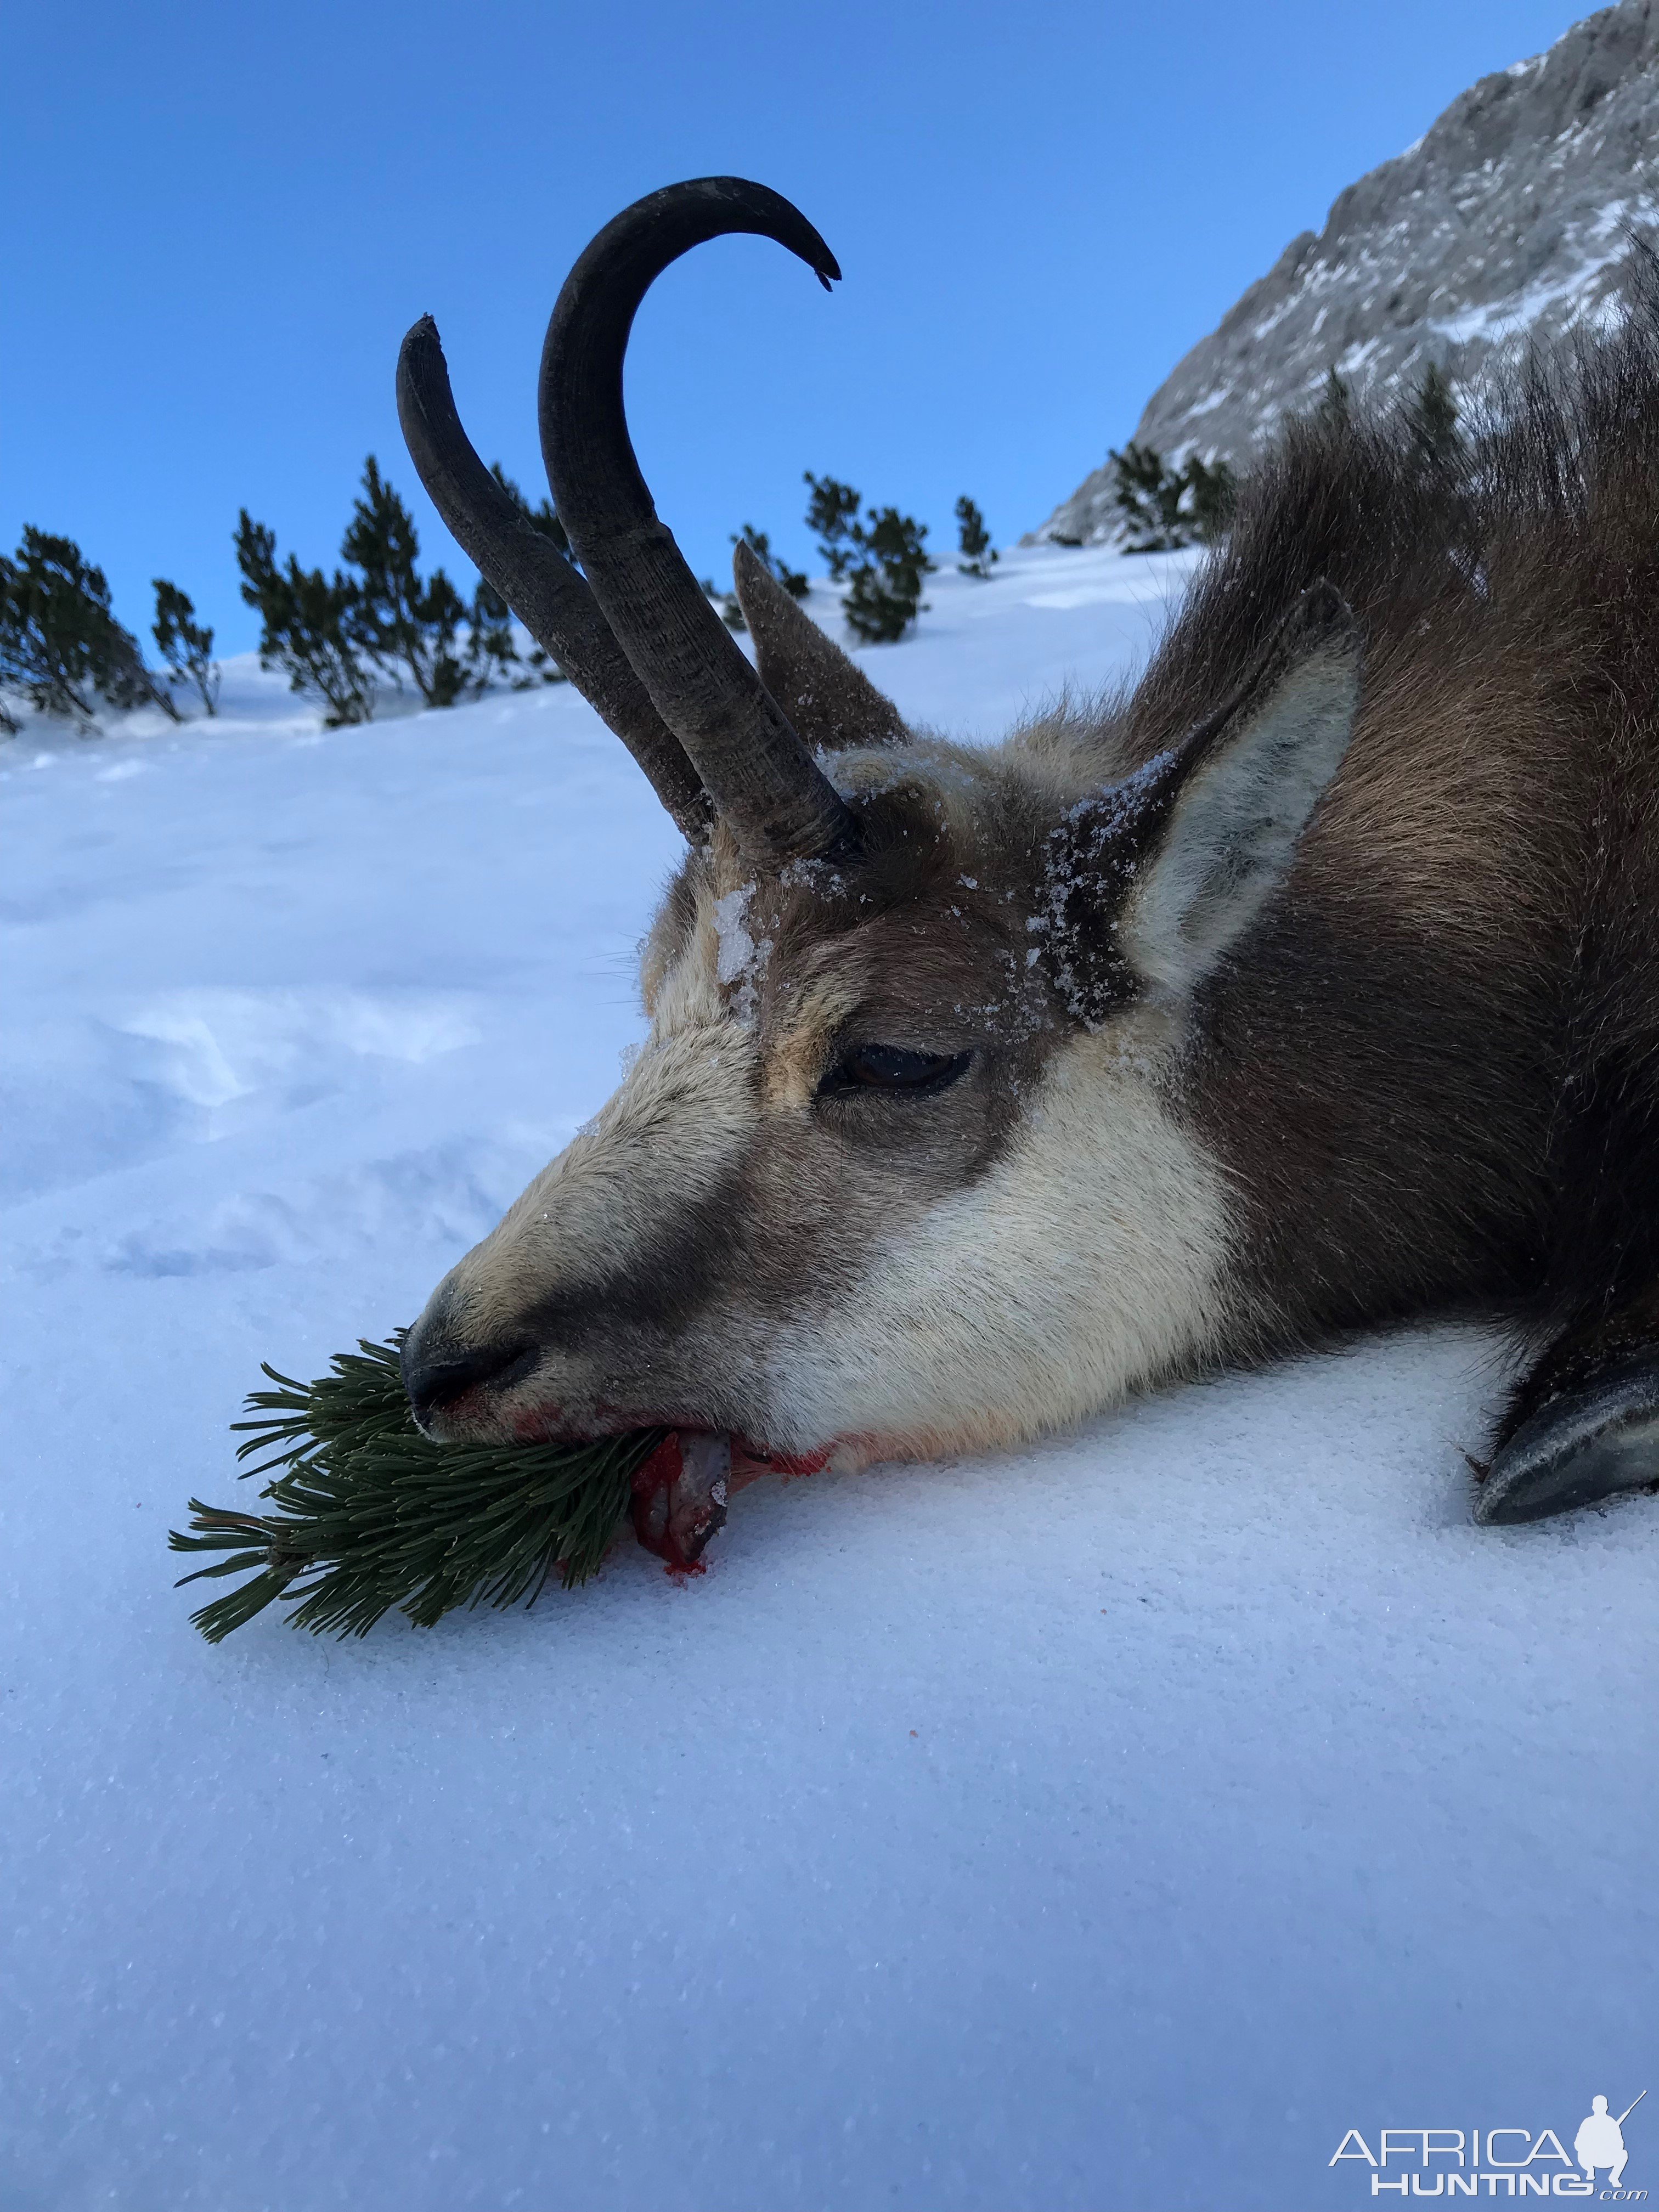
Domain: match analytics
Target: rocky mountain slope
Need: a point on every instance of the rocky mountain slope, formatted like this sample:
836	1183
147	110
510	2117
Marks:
1507	219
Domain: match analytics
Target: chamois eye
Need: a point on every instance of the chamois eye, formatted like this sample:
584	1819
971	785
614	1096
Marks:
890	1067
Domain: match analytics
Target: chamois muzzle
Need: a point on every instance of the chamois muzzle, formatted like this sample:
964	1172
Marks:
439	1366
761	777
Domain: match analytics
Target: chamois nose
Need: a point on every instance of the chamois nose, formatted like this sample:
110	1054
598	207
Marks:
438	1370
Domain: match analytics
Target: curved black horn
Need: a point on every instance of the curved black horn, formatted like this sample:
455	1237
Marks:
543	589
760	775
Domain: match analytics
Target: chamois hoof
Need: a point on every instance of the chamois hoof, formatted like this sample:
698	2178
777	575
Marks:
1588	1445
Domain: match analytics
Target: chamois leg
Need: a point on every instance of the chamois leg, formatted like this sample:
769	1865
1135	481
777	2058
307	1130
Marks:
1584	1425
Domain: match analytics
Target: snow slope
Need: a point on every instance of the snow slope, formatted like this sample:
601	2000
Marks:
1110	1826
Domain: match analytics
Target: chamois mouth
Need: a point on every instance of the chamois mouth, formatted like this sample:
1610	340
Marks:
750	1459
467	1401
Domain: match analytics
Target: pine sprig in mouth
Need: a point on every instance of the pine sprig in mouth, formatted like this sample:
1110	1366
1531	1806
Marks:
369	1514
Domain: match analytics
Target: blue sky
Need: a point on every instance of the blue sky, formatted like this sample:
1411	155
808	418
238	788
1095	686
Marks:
223	218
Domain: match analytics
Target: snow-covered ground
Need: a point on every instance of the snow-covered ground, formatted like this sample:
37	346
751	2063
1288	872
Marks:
1114	1825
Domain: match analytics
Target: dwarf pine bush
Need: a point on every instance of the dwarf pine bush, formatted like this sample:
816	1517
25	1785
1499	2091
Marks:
308	626
882	559
1163	508
405	624
884	586
832	516
379	616
974	541
185	644
61	647
1432	420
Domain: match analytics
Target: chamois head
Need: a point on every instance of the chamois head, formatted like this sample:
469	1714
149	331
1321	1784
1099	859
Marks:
901	1166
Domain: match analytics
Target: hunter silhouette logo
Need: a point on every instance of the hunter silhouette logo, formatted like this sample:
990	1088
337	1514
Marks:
1499	2161
1601	2141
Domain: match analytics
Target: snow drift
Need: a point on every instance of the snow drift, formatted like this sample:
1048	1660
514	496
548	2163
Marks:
1109	1824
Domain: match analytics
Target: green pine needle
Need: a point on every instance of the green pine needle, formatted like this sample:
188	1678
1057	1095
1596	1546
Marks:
372	1514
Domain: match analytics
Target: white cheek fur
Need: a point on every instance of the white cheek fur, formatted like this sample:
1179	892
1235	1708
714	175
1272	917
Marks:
1092	1259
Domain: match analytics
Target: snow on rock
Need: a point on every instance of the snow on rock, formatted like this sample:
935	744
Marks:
1109	1824
1506	221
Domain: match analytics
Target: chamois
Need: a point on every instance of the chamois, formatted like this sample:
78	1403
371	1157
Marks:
1312	985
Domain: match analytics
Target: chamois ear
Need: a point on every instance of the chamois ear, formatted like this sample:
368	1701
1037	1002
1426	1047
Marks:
829	700
1242	793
